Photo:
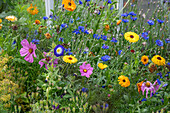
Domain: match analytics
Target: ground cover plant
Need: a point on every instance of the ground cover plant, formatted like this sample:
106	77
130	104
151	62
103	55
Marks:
86	57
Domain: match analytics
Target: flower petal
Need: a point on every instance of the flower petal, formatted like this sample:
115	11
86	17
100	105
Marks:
24	51
29	58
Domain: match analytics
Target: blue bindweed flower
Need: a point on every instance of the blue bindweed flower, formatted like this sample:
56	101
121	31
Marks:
59	50
145	35
80	2
125	20
105	46
150	22
45	18
104	37
132	14
84	89
35	41
160	21
114	40
159	42
133	18
105	58
124	15
167	40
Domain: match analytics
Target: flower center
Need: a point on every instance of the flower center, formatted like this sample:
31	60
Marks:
30	50
147	84
159	58
70	58
69	3
131	36
144	60
124	80
85	70
58	50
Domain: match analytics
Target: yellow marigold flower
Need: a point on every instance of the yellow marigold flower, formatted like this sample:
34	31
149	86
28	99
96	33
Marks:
69	5
69	59
37	22
47	35
131	37
107	27
123	81
119	21
32	10
0	20
139	86
158	60
11	18
102	66
144	59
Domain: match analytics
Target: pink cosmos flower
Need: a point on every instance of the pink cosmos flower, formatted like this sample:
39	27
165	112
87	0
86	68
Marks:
29	50
46	61
86	70
148	86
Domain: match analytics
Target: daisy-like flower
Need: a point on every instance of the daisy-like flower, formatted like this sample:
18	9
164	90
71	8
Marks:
144	59
59	50
86	70
69	59
47	60
102	66
131	36
148	86
28	49
139	86
158	60
124	81
37	22
118	22
11	18
69	5
47	35
32	10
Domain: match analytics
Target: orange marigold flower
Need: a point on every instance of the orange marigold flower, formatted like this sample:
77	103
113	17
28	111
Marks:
0	26
32	10
41	28
139	86
69	5
47	35
107	27
37	22
119	21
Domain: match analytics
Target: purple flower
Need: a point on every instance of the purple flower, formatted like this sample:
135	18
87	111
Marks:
105	47
86	70
159	42
167	40
104	37
148	86
114	40
84	89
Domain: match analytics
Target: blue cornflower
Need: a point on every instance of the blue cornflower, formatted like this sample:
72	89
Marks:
162	100
68	50
132	14
119	52
84	89
114	40
104	86
168	63
61	39
133	18
81	28
71	20
144	99
167	40
105	47
59	50
106	105
150	22
160	21
109	1
105	58
86	32
104	37
64	25
96	36
159	42
80	2
158	81
36	32
145	35
124	14
87	0
125	20
160	74
35	41
78	18
14	42
112	8
45	18
165	85
76	31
